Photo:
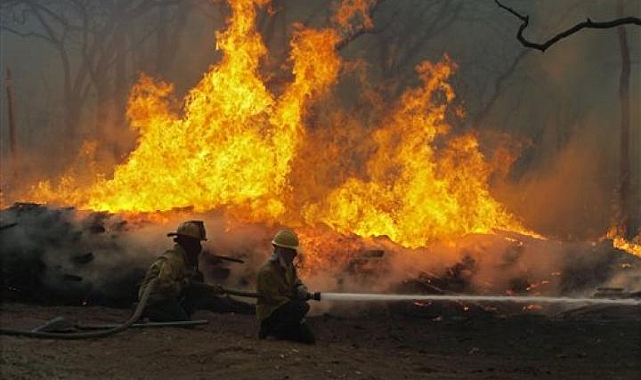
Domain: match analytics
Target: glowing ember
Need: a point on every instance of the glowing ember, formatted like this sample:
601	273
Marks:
532	307
623	244
233	144
627	246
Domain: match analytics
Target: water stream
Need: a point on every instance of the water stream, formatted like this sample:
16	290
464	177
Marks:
475	298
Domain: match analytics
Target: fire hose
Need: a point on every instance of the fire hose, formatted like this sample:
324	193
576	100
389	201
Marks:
128	323
240	293
317	296
116	329
88	335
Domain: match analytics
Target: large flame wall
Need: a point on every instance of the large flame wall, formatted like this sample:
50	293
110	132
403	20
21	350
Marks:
233	143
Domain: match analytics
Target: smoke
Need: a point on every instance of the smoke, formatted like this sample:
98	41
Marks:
565	104
50	254
569	196
66	256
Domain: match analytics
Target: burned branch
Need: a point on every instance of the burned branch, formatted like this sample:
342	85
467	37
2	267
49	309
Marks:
363	29
583	25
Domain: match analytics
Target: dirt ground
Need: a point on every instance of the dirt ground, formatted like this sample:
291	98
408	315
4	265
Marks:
374	342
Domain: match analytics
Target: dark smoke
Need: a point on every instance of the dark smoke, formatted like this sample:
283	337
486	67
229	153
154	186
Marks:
64	256
58	256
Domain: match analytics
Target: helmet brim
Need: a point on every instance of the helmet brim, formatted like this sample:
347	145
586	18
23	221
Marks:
294	248
177	234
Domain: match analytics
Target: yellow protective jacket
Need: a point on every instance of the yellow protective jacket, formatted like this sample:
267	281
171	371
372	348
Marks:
173	271
275	286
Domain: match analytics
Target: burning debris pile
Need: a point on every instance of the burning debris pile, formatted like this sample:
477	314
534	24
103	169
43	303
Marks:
55	256
63	256
67	256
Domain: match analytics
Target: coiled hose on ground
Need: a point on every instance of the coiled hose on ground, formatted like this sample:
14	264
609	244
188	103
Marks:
100	334
87	335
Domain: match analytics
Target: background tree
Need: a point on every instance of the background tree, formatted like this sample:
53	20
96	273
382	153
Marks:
95	42
627	213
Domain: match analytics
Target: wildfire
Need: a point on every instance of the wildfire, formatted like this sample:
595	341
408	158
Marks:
233	143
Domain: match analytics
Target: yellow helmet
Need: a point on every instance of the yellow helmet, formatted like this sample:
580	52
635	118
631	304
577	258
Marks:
286	239
191	228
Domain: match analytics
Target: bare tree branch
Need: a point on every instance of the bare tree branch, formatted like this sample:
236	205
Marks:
496	89
586	24
351	37
26	34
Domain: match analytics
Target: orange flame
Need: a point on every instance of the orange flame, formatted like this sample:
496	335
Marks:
233	143
412	192
615	234
351	9
622	244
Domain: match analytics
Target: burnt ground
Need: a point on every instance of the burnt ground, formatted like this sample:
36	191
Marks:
376	342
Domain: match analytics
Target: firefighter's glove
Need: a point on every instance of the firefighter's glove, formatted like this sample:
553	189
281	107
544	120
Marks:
302	293
316	296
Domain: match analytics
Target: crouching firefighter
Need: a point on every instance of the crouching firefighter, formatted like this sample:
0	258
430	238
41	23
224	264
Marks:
282	296
179	288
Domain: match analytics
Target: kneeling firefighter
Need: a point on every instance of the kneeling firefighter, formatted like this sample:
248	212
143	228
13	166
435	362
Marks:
282	296
179	289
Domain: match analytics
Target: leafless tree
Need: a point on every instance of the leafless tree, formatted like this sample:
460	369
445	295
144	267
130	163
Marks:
628	209
588	24
93	42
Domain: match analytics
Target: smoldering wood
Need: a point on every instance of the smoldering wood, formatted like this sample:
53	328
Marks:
8	225
42	263
53	265
82	258
71	277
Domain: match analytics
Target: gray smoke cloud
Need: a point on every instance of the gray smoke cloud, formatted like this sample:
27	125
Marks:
62	255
